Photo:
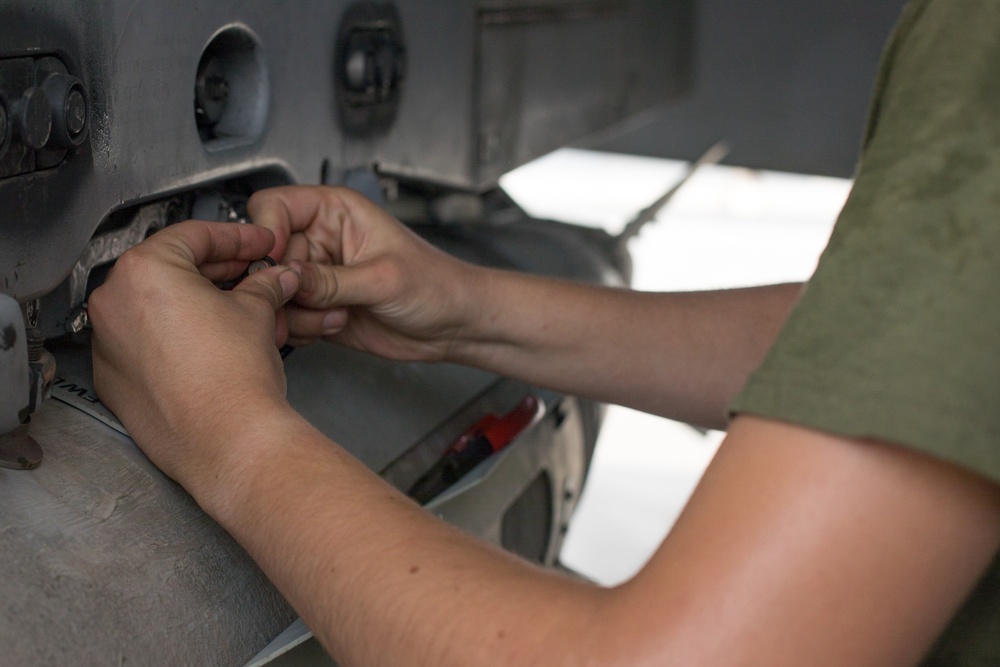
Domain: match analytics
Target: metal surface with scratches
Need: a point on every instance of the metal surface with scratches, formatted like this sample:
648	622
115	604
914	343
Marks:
106	559
188	107
192	105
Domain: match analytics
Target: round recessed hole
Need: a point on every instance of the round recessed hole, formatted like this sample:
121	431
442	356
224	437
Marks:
231	89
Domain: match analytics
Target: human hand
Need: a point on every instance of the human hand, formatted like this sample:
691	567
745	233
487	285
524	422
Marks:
186	366
367	281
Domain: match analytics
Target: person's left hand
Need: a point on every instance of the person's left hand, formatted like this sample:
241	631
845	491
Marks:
186	366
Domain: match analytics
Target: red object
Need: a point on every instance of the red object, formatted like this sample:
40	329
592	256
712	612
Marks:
500	431
487	436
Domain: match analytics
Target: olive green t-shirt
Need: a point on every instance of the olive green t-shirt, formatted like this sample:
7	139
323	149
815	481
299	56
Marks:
897	335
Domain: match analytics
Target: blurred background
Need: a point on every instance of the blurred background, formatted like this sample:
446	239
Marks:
726	227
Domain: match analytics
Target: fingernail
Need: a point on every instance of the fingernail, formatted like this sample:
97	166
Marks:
289	281
334	321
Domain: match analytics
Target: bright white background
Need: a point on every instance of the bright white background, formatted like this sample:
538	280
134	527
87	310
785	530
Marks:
727	227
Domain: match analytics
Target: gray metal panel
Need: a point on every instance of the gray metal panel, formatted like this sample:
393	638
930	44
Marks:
786	83
108	562
479	502
105	560
376	409
139	62
548	75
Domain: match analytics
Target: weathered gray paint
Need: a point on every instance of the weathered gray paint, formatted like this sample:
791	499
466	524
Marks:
785	83
106	561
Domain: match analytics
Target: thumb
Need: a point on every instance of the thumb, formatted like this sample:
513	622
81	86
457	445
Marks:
365	284
276	285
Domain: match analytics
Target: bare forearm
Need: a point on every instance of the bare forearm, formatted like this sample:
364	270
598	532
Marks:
381	582
391	293
680	355
352	554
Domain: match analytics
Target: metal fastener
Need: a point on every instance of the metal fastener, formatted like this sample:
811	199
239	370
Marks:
34	118
76	112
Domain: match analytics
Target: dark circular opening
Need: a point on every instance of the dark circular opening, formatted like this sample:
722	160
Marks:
231	89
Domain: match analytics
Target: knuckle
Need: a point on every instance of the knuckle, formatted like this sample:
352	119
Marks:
337	196
131	261
325	286
329	284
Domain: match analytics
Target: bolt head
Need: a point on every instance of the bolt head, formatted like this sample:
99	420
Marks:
76	112
34	121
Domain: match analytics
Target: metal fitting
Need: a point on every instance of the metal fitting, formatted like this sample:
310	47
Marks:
33	118
42	367
78	321
68	108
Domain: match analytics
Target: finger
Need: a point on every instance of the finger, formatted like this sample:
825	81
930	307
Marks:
197	242
291	209
285	211
297	249
309	323
365	284
276	285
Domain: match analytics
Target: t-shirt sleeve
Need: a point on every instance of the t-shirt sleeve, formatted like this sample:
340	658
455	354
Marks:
897	335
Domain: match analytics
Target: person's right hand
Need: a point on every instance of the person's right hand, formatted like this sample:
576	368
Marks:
368	282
